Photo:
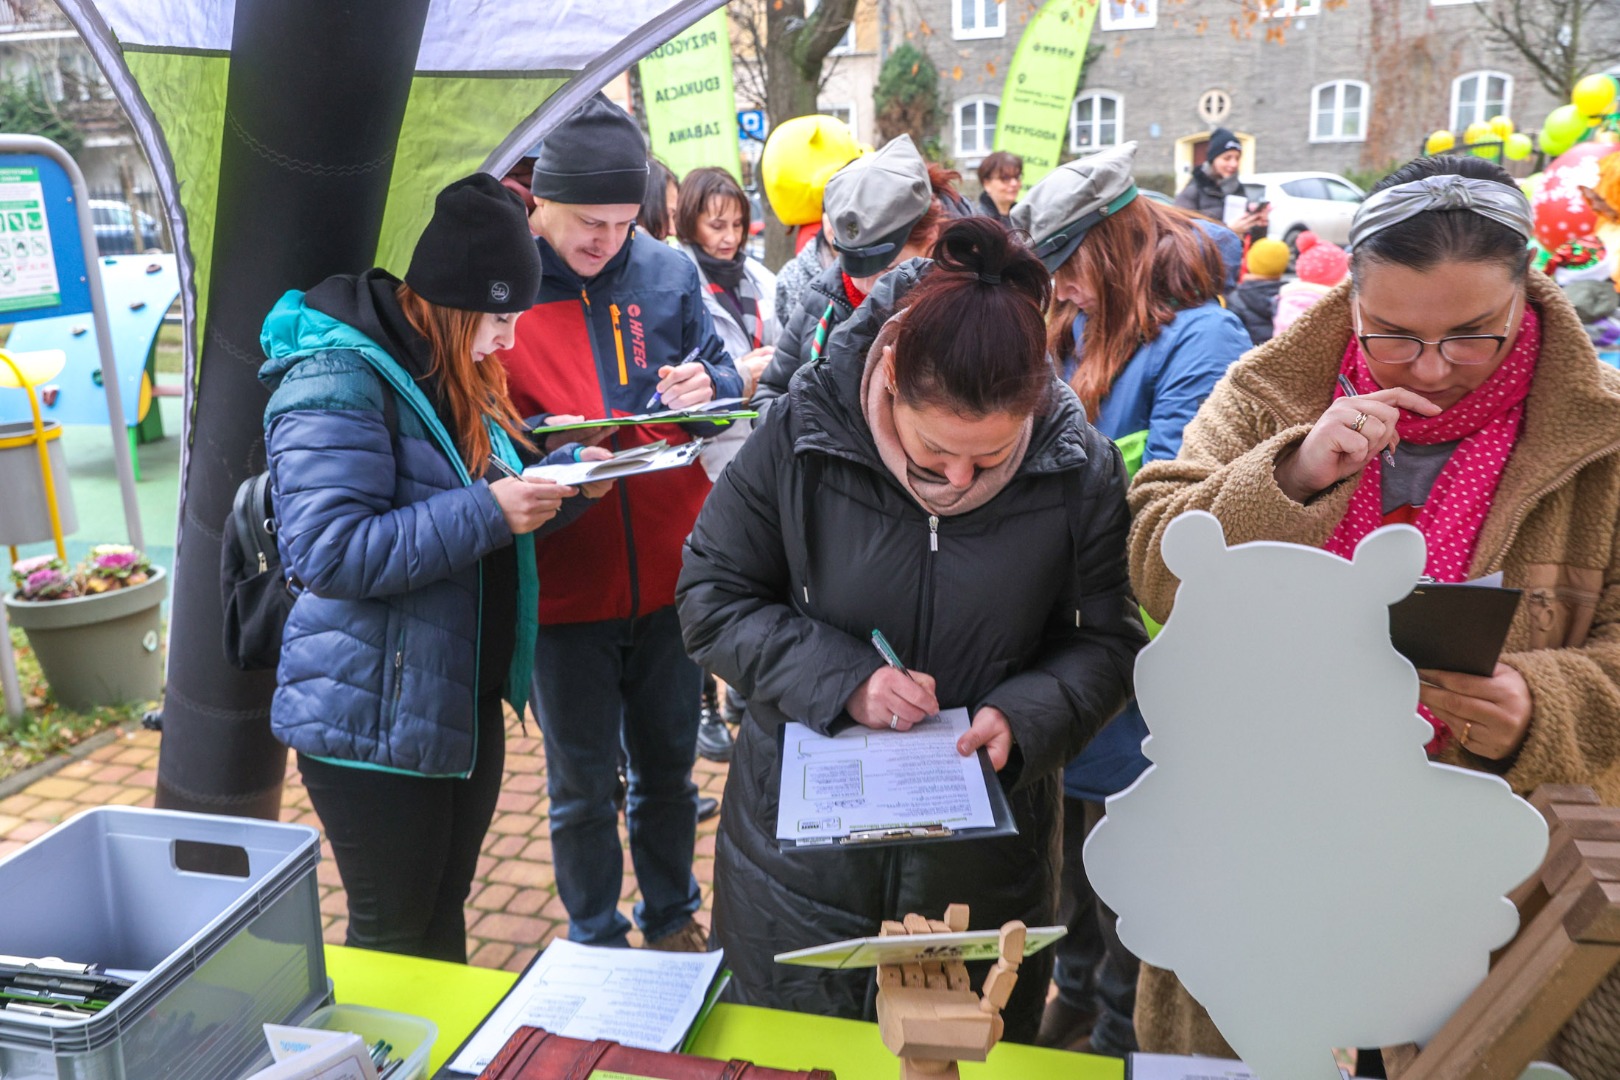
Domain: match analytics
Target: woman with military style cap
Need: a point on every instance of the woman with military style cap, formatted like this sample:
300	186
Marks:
1138	331
1477	411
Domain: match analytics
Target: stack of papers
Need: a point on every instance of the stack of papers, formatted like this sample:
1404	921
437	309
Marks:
654	457
636	997
720	411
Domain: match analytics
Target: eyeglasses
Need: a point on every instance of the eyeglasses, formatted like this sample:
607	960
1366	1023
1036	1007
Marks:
1462	350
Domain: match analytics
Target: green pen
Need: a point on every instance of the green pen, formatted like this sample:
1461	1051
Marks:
892	658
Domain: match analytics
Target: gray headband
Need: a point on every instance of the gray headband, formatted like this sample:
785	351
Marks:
1487	198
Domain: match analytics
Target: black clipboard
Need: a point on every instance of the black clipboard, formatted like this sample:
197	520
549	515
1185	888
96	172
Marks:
1450	627
1000	810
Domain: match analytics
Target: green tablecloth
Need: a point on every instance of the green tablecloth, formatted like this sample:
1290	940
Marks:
456	998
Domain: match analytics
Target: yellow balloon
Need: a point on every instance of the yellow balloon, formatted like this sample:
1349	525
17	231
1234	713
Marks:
1477	132
1594	95
1501	127
34	367
1439	142
1517	146
799	157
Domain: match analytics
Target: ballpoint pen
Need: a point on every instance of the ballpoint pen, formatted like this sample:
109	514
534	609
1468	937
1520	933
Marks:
1349	389
892	658
503	468
657	399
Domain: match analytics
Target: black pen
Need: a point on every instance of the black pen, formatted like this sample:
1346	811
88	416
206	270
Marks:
503	468
1349	389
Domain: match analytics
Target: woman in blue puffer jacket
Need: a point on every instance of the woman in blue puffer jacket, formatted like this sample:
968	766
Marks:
413	568
1138	331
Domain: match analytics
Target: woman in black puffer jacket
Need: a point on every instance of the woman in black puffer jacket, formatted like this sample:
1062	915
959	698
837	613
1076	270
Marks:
932	478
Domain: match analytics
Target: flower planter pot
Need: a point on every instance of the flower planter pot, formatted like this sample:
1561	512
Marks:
98	650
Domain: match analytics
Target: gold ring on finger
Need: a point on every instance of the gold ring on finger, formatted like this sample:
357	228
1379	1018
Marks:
1468	729
1359	422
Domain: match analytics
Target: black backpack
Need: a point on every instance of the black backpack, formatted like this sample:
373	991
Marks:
257	590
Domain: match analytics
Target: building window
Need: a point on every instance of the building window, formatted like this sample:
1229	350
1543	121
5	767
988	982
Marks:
1339	112
846	44
975	128
1095	121
1479	96
845	112
978	19
1130	14
1288	9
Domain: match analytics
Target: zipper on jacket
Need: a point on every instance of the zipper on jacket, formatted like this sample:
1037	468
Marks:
1529	504
925	614
607	410
618	343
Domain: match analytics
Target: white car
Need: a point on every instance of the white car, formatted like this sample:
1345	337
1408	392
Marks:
1322	202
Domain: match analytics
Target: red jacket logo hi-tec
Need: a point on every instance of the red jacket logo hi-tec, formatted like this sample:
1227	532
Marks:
638	336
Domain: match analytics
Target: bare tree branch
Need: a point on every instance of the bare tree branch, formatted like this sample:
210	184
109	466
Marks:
1561	40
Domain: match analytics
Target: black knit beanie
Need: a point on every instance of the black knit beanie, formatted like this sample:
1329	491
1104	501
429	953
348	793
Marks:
477	253
1221	141
594	157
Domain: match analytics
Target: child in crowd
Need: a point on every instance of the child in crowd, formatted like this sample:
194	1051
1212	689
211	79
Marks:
1255	299
1320	267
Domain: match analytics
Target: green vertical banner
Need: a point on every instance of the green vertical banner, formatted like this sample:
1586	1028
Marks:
1035	102
690	100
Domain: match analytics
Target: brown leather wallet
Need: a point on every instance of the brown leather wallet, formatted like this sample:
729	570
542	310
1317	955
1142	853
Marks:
534	1054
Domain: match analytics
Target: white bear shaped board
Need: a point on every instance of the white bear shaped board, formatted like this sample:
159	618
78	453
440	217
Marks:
1292	854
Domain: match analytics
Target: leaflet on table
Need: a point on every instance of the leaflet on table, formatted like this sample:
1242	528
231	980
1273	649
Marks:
861	781
1176	1067
654	457
916	948
719	411
636	997
342	1057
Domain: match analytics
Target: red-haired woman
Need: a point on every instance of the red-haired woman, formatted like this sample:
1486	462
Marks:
933	479
1139	333
411	558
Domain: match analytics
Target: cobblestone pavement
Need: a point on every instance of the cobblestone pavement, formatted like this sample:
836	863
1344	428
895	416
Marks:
513	911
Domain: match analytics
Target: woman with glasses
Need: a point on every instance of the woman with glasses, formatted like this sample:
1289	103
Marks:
1447	386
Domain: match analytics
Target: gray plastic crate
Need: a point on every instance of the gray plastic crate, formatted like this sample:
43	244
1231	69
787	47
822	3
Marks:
223	914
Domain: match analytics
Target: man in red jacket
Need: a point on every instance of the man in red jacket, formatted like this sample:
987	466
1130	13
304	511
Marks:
619	329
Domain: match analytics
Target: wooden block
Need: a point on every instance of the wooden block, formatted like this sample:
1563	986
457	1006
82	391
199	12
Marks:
1586	822
913	1069
891	929
1595	916
934	1025
916	924
1398	1059
890	977
1012	943
998	986
1518	1008
956	917
956	973
936	926
1553	794
934	977
912	976
1602	857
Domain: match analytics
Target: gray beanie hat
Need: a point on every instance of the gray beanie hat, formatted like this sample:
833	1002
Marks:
595	157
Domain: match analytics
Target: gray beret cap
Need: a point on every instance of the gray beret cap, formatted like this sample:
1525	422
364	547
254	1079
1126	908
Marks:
1069	200
873	202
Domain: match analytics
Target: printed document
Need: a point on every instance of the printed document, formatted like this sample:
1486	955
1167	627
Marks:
861	780
654	457
636	997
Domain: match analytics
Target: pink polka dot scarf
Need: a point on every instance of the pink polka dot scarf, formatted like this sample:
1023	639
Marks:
1488	422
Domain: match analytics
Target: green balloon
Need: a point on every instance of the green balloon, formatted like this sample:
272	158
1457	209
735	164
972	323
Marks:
1566	125
1517	147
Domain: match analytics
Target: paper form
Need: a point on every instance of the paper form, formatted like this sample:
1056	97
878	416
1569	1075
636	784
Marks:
636	997
861	779
1175	1067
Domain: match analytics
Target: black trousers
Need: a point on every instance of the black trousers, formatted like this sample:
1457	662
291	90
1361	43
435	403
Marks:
407	846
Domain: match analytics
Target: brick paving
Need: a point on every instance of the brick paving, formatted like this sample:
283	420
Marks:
513	910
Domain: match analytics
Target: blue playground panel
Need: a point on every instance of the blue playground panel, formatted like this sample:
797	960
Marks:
139	291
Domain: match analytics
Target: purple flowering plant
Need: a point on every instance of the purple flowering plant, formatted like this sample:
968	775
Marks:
107	567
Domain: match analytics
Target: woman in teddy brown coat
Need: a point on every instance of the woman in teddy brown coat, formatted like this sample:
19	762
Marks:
1482	416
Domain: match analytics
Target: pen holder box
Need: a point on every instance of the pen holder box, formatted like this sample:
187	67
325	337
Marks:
220	914
412	1036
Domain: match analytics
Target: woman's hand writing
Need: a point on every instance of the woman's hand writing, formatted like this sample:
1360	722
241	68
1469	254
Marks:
685	385
528	504
1348	435
892	699
991	731
1488	715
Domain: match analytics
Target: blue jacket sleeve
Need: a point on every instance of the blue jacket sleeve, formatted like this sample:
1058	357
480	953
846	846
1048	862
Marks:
1211	340
332	478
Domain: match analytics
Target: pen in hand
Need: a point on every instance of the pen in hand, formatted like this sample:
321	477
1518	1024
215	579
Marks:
504	469
892	658
657	400
1349	389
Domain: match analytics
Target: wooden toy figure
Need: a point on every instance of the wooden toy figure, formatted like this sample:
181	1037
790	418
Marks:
927	1012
